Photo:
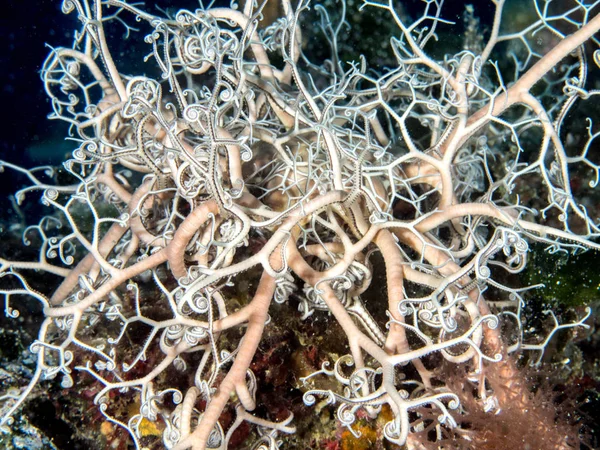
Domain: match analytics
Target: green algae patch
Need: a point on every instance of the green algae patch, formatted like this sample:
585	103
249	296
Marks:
569	280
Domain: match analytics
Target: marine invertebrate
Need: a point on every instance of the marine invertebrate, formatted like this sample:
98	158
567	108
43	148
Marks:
243	143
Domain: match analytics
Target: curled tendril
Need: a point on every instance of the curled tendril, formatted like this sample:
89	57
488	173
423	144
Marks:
66	382
309	398
484	272
216	437
391	431
51	194
347	417
193	335
199	303
68	6
193	113
492	321
11	313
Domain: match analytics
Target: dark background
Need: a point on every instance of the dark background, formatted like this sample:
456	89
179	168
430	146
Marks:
25	29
